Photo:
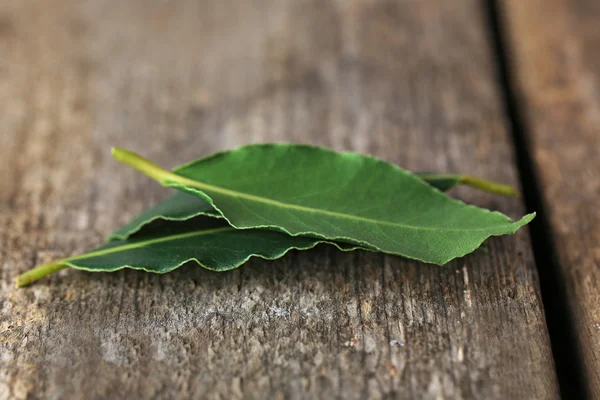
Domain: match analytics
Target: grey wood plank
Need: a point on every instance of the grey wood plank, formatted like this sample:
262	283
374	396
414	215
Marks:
557	71
411	82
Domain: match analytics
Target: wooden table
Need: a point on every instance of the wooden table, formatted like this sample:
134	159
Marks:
509	91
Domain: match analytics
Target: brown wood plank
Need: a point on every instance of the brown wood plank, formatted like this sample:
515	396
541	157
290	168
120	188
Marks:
557	69
410	82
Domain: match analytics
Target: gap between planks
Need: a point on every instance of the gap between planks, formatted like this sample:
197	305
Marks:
559	319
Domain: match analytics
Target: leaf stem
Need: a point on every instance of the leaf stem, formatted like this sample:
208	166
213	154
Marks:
39	272
143	165
153	170
488	186
55	266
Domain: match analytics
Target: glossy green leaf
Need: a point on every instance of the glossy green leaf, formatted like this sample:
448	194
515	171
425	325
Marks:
166	245
179	207
310	191
182	206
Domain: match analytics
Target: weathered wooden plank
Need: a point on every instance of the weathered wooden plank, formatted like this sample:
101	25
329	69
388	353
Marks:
557	70
407	81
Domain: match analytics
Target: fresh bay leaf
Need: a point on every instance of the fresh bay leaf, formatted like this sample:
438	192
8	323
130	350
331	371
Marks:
310	191
182	206
164	243
210	242
179	207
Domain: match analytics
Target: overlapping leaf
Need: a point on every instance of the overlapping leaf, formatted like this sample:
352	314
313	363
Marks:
166	245
346	197
183	206
265	200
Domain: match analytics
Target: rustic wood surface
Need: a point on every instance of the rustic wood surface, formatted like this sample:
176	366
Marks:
557	67
411	82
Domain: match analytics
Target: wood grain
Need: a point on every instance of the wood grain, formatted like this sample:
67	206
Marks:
557	71
411	82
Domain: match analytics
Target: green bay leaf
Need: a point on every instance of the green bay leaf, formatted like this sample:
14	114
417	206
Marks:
166	245
179	207
182	206
310	191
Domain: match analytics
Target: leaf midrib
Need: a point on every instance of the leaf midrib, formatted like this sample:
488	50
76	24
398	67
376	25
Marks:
146	243
182	180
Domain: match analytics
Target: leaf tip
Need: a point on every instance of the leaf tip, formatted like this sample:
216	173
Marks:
530	217
526	219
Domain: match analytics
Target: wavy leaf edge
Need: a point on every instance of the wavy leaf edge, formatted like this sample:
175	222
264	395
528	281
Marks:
173	180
